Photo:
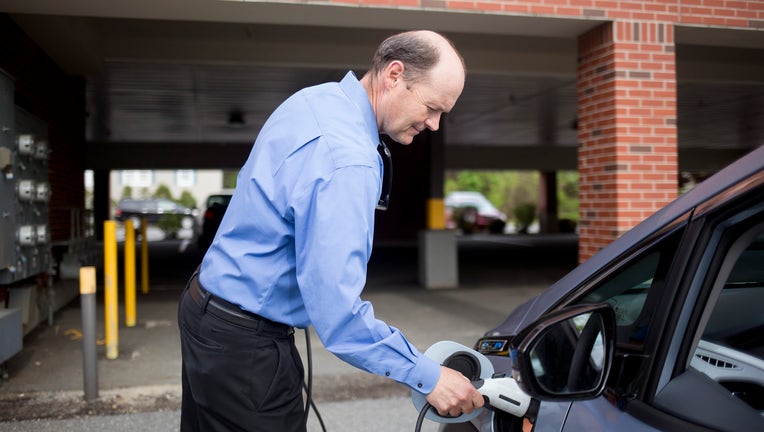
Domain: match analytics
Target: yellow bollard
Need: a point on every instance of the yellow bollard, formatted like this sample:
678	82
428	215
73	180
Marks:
129	274
144	258
111	314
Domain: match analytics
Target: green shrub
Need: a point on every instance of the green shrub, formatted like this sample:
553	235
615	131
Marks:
525	214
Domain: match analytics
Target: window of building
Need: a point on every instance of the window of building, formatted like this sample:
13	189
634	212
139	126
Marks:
185	178
137	178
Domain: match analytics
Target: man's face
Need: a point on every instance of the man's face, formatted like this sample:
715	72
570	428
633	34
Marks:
414	107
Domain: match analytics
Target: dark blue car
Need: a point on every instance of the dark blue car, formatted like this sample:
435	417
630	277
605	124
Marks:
685	351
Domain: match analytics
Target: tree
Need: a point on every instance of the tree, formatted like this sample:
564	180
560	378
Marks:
567	196
187	199
525	214
127	192
229	179
162	191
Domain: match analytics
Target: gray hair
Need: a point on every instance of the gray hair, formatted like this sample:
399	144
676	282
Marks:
417	52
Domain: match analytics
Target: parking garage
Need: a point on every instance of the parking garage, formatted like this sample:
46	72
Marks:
627	98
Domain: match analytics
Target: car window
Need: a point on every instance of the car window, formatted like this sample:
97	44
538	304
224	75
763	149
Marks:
731	349
165	205
713	374
737	319
627	291
634	289
218	200
129	205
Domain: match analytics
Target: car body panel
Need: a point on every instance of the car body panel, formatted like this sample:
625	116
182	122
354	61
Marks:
595	415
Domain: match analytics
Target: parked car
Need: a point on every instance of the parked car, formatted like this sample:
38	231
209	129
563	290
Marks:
174	219
685	289
472	212
214	210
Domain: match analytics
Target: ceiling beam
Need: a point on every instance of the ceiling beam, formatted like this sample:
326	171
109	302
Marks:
155	155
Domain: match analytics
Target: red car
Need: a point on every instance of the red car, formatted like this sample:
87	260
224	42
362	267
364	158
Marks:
472	212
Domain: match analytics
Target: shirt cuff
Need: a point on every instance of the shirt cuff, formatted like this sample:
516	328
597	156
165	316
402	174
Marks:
424	375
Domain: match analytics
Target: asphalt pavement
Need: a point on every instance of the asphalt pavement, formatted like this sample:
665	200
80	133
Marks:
140	390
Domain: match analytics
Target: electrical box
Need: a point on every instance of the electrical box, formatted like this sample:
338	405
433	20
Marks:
25	244
11	336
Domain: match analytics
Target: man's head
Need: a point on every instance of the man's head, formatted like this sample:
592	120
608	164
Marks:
414	78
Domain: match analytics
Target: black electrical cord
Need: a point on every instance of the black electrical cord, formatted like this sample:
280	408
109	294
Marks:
318	415
420	419
309	386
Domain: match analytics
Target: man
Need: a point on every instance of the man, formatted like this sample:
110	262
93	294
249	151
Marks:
293	247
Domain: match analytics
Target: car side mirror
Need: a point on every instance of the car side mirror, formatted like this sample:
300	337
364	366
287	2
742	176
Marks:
567	355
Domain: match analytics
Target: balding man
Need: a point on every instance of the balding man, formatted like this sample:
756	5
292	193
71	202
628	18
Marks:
293	247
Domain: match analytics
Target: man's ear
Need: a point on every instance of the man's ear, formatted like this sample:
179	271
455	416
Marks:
394	73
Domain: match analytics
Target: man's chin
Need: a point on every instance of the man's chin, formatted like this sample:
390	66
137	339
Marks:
404	139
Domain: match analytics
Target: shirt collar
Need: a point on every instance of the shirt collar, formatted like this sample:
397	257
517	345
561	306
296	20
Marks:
357	94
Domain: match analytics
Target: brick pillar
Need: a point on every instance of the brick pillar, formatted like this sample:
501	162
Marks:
627	135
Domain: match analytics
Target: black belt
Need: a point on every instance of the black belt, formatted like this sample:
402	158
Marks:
230	312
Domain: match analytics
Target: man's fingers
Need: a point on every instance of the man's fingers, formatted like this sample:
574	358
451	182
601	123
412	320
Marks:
478	400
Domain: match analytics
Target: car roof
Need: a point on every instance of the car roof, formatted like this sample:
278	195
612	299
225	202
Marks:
735	173
144	200
465	195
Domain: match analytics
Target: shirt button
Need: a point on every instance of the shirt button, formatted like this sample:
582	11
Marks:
419	385
387	373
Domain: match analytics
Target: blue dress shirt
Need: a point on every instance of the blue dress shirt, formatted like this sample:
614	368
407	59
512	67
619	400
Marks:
295	241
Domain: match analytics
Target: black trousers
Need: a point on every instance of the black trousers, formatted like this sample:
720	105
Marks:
239	373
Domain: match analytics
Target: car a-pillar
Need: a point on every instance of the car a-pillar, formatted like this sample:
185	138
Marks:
627	134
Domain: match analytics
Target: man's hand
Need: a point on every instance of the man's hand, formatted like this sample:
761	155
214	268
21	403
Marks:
454	394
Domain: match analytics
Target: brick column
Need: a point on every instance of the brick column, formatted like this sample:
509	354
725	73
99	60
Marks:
627	134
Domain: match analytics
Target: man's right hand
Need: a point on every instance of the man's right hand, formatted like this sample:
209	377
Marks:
454	394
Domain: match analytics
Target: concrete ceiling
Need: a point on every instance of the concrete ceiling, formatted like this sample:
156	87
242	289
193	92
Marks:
182	73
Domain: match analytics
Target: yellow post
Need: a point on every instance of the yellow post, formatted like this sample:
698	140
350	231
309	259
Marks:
144	258
111	314
436	214
129	274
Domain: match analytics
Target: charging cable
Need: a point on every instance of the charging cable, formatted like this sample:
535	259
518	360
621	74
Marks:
309	386
422	414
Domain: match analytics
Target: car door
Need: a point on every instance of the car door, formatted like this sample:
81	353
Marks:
690	339
635	285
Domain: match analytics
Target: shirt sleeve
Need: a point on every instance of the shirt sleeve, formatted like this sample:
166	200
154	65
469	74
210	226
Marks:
334	222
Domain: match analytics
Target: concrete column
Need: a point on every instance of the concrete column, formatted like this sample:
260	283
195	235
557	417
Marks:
626	128
438	248
548	221
436	214
100	200
547	134
438	259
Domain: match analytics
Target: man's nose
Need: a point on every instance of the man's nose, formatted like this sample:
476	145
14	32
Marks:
433	122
